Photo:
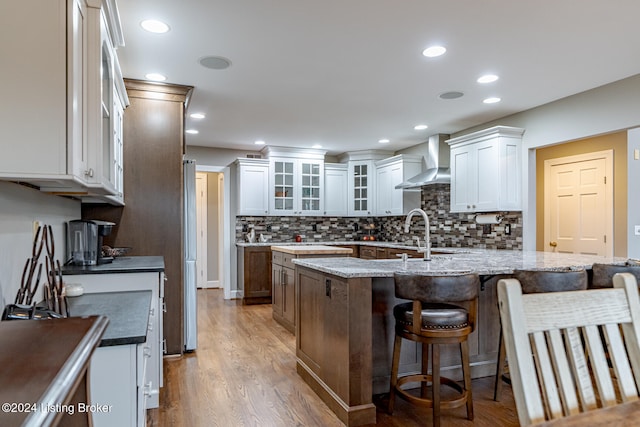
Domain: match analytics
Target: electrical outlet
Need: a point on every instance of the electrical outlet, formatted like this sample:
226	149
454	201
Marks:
637	230
507	229
268	228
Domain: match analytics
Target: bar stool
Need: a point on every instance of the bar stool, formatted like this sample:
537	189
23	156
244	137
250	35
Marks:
432	319
536	281
602	274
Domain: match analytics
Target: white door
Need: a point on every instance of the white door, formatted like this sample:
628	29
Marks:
201	227
579	204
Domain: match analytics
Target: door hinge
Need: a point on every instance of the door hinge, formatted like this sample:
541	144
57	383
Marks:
605	238
605	179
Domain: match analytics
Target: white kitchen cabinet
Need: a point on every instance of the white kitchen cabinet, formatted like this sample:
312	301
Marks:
391	172
296	182
252	177
50	129
336	197
139	281
485	170
117	378
361	176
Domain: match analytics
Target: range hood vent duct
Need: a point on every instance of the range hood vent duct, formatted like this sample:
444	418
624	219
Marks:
438	171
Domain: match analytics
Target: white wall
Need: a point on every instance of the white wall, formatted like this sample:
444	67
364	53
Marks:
633	194
19	208
602	110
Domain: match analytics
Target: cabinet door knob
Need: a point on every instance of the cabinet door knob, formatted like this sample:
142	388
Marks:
553	244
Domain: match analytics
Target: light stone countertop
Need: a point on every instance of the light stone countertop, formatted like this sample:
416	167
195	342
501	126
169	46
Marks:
312	250
377	243
481	261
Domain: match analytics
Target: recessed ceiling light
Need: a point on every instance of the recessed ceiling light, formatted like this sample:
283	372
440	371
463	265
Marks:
383	141
154	26
433	51
155	77
487	78
492	100
420	127
259	142
215	62
316	146
451	95
192	131
197	116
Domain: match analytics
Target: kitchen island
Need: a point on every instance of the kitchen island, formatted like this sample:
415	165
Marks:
345	329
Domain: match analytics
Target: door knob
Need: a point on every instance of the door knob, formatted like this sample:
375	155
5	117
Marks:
553	244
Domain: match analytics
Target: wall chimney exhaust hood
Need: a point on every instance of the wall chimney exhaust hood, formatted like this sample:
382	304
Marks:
437	171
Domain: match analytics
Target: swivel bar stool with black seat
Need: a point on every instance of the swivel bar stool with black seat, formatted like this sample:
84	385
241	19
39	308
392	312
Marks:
442	311
538	281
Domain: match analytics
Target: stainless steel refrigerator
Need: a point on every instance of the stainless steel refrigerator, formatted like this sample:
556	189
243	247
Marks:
190	244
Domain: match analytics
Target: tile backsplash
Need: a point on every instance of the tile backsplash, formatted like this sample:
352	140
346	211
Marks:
447	229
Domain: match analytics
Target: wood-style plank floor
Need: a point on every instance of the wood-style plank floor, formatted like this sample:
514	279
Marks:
244	374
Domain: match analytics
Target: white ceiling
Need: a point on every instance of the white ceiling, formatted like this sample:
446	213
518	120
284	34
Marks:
346	73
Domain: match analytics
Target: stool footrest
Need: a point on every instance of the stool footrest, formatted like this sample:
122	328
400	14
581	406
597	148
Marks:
454	402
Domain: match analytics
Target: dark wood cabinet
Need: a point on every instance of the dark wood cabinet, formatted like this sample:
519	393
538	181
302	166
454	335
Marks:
254	274
283	290
368	252
151	220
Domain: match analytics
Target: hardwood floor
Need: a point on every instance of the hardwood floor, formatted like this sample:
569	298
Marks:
244	374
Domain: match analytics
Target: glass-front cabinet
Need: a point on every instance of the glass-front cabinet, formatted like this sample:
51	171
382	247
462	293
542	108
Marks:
361	179
310	187
296	183
283	179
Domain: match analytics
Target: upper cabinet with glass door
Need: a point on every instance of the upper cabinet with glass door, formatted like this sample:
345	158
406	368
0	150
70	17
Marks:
296	182
59	154
361	180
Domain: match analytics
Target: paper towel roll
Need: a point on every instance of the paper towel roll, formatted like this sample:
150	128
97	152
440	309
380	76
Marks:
488	219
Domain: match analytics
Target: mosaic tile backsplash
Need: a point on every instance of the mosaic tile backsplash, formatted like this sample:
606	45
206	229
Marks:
447	229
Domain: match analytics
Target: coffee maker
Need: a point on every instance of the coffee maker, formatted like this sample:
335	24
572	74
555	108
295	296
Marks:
84	241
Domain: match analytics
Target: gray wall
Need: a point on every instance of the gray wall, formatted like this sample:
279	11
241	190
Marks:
19	207
599	111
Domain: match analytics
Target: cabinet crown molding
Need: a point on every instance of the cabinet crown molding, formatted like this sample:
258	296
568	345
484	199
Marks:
251	161
364	155
409	158
298	153
489	133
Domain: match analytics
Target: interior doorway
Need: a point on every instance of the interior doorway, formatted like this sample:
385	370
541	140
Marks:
578	200
210	227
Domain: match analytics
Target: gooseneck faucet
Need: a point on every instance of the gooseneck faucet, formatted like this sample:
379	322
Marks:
427	244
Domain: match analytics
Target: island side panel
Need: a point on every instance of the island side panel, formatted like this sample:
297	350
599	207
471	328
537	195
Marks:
333	342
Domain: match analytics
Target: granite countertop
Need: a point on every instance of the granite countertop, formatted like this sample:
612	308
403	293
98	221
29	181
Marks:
481	261
128	314
128	264
312	250
377	243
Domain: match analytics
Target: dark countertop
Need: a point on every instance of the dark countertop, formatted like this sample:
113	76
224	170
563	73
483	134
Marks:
127	264
41	361
128	314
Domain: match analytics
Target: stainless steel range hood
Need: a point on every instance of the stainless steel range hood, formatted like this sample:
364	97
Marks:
437	171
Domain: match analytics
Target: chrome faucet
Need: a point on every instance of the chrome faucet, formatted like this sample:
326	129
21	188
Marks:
427	244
